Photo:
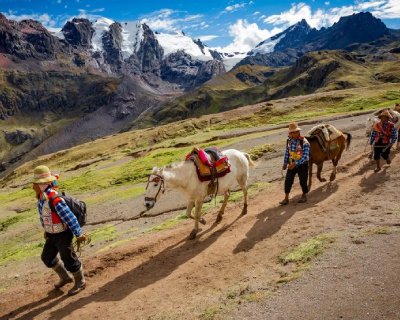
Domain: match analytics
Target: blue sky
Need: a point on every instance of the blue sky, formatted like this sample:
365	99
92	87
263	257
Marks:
229	24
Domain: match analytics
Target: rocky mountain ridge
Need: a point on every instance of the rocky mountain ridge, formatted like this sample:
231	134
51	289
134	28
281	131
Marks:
286	47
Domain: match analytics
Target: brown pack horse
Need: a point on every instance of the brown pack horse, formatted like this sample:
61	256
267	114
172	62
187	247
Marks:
334	152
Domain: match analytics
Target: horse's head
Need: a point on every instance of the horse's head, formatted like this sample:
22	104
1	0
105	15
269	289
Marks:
154	188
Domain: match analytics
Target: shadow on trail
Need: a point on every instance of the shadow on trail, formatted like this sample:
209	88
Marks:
271	220
53	298
156	268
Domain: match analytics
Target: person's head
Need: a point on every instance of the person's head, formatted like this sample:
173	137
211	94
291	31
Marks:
42	178
397	107
294	130
385	116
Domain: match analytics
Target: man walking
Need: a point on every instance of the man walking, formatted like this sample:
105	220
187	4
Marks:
60	226
383	136
296	159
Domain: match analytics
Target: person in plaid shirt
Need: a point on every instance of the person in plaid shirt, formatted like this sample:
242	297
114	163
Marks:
60	226
383	136
296	159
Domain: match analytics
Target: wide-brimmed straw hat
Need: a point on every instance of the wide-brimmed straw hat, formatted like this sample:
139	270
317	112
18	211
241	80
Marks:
42	174
385	114
293	127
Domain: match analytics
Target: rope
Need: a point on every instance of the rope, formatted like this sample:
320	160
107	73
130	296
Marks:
78	245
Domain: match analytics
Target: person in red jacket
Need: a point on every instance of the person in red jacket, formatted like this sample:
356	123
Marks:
383	136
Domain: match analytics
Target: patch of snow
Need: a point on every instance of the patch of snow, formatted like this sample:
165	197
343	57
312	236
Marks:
267	46
132	36
100	26
175	42
56	32
231	59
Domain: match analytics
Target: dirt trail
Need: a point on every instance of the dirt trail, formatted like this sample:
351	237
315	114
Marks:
166	276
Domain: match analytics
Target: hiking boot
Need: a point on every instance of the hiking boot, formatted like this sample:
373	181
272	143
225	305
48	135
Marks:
284	202
303	199
80	282
63	274
388	161
377	170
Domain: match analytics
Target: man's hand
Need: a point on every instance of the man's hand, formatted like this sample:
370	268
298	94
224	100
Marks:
81	238
292	166
284	167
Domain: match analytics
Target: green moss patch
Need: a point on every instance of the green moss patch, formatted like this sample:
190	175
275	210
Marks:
307	250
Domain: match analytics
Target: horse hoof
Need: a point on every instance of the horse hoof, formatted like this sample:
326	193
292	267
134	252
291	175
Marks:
202	221
244	211
219	219
332	178
322	180
192	235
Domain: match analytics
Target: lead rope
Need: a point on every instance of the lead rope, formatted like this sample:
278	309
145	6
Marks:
78	245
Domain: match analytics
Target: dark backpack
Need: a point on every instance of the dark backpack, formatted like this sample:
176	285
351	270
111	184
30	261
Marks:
77	207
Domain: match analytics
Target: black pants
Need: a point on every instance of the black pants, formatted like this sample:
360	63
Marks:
381	150
302	171
60	243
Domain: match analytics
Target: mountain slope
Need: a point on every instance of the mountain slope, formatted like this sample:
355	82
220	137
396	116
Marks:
314	72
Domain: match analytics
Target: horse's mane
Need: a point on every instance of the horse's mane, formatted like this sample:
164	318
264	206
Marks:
174	165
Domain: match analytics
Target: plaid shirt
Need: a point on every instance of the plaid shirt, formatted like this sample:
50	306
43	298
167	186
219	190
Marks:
291	145
393	134
63	211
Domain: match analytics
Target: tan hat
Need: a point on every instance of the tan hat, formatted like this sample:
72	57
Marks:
385	113
42	174
293	127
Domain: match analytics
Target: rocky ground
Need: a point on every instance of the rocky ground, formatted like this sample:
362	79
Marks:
232	270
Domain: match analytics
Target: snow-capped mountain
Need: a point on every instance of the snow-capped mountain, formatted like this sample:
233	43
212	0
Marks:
286	47
132	36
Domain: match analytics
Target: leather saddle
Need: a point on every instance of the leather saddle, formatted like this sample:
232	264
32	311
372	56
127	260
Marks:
210	163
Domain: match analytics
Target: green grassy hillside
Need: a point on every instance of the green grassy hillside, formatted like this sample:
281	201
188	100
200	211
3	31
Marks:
314	72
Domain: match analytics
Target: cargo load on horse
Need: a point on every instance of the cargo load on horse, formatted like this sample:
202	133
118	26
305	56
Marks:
326	143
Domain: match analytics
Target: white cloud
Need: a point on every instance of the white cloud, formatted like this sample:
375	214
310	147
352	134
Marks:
234	7
98	10
327	3
59	1
172	21
45	19
389	10
246	36
207	37
256	13
326	17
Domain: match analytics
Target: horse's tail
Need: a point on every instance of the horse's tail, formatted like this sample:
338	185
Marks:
348	140
251	163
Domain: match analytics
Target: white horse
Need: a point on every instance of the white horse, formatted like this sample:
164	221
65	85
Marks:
183	177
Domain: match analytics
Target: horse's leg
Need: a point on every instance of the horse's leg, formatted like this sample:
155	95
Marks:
222	210
319	170
335	162
242	181
190	205
189	209
309	175
197	213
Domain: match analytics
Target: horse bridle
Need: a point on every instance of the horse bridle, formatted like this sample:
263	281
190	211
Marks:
157	178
